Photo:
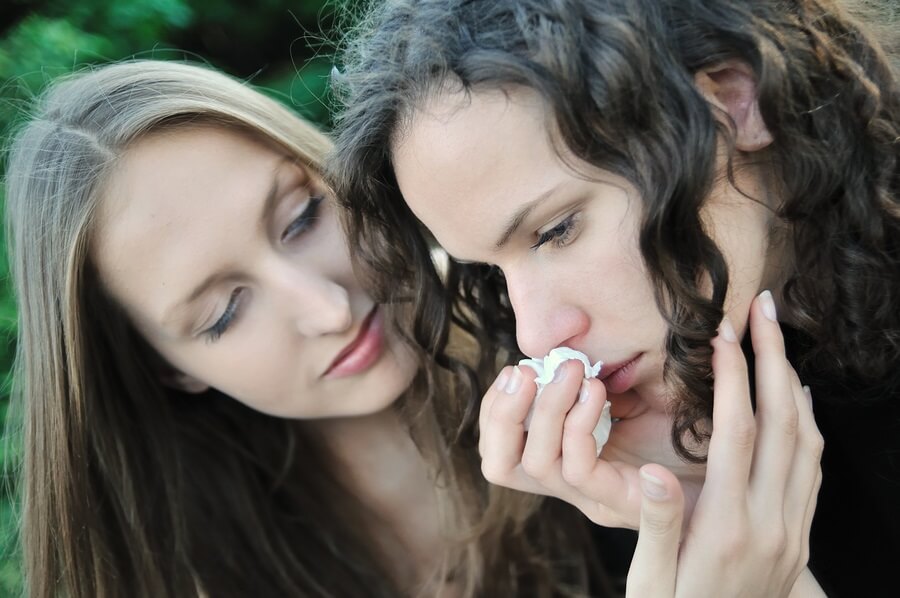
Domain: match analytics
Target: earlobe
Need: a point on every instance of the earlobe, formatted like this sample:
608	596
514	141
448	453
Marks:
731	87
184	383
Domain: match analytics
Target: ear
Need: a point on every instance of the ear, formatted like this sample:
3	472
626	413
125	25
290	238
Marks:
731	87
183	382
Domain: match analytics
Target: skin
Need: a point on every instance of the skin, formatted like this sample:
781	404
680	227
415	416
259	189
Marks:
188	204
467	165
302	302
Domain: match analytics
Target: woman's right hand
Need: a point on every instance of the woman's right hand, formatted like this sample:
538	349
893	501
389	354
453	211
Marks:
749	527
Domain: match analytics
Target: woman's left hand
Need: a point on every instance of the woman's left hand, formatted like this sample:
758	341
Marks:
663	566
749	532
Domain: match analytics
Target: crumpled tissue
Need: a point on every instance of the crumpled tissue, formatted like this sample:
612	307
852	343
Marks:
545	369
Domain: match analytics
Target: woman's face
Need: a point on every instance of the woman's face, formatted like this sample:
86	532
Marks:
229	258
481	173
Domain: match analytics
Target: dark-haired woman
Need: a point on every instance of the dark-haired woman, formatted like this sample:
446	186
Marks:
648	182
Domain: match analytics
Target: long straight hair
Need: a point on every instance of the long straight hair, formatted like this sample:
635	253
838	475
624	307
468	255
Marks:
134	489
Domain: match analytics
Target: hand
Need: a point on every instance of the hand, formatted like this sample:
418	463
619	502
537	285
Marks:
661	567
557	456
562	421
749	533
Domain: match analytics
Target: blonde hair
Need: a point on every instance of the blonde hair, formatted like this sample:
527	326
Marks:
129	488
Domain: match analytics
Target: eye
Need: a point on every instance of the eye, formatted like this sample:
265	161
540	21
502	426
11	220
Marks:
560	235
305	221
214	332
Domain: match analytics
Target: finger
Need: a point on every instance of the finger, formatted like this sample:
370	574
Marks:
579	448
810	513
543	447
504	427
806	473
776	409
496	389
613	487
655	562
734	427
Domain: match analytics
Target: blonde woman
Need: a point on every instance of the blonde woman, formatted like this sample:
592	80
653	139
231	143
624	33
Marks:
213	403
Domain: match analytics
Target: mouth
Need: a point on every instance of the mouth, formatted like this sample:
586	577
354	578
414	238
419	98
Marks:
619	377
363	351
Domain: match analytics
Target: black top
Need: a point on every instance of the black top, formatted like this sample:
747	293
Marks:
855	541
855	538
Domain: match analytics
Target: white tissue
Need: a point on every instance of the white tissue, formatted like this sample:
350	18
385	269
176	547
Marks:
545	369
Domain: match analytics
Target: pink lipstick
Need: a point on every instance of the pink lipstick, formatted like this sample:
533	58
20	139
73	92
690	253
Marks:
363	351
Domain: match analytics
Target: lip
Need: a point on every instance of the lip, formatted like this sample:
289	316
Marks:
619	377
362	351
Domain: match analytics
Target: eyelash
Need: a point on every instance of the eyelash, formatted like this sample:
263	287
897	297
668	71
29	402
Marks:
214	332
301	224
304	221
560	235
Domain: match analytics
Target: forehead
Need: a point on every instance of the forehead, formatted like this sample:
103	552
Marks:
178	202
465	162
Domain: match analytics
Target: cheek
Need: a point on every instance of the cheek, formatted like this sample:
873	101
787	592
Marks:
740	228
252	372
614	279
744	247
402	367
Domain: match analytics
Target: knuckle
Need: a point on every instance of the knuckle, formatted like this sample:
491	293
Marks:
494	473
818	444
534	466
786	420
573	475
659	524
743	434
734	545
550	405
572	426
789	421
775	544
815	444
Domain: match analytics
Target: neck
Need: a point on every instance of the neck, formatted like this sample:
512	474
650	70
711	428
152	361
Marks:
374	448
383	468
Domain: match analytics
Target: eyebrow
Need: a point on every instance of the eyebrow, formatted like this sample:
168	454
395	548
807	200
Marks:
269	204
272	196
519	217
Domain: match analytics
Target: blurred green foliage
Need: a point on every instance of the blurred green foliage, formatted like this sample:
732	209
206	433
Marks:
275	43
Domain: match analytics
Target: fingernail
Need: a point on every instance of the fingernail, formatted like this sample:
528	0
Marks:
652	487
726	330
502	379
560	374
585	392
808	394
768	306
514	382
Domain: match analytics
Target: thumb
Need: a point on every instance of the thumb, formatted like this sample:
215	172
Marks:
655	562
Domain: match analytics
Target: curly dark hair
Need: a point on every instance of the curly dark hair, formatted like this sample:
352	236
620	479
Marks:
617	77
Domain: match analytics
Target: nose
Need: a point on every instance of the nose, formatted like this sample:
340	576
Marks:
545	317
313	303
